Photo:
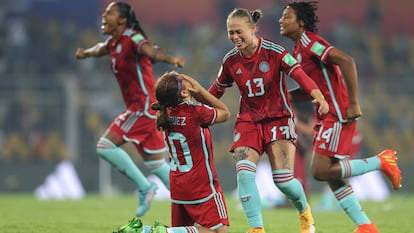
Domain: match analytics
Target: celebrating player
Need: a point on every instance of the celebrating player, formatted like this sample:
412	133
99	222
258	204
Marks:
131	56
336	75
265	122
196	194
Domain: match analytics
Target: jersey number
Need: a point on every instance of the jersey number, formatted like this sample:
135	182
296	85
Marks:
283	129
113	65
257	86
175	160
324	134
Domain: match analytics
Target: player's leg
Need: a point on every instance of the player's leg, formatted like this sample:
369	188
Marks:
386	161
321	167
109	150
153	150
281	156
280	136
157	165
247	148
249	196
335	139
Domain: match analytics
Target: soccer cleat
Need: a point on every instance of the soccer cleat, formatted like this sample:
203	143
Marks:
145	199
388	164
306	223
256	230
366	228
158	228
133	226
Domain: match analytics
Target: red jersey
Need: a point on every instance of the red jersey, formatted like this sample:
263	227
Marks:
193	176
132	70
260	79
311	52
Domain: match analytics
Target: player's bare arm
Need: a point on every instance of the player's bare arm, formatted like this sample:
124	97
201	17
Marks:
158	54
203	96
350	75
97	50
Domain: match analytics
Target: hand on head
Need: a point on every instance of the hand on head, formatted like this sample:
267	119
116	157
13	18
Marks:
194	86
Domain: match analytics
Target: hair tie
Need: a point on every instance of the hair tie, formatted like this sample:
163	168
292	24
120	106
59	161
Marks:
178	86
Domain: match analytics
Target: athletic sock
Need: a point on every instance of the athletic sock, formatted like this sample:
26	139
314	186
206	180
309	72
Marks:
248	193
291	187
122	162
191	229
161	169
350	204
355	167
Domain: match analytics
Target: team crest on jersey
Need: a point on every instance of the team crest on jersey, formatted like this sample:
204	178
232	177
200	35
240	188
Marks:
236	137
299	58
118	48
239	71
264	66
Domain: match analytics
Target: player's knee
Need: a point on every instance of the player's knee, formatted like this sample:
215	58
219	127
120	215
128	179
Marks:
318	174
240	153
103	146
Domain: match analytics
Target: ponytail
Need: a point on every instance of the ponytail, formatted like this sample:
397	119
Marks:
168	94
163	121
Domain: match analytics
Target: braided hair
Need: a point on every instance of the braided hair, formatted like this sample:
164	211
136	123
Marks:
126	11
168	94
305	11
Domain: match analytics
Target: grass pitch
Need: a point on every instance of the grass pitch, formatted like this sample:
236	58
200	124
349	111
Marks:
22	213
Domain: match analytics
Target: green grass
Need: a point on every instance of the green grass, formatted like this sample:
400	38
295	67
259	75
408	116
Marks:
22	213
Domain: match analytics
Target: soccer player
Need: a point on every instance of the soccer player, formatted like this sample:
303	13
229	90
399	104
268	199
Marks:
336	75
131	56
196	194
265	122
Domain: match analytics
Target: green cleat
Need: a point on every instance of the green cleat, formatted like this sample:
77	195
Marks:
133	226
158	228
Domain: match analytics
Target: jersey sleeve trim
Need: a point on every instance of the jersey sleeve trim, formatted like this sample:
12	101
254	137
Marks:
138	39
326	53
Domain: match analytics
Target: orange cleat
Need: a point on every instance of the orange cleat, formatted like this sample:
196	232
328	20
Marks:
366	228
306	223
256	230
390	168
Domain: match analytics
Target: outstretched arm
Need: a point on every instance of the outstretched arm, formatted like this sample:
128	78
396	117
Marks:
158	54
97	50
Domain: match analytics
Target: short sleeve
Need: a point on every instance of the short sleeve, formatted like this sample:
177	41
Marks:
207	115
138	40
320	50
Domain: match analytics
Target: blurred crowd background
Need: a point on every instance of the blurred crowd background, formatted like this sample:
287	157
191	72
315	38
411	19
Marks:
53	107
